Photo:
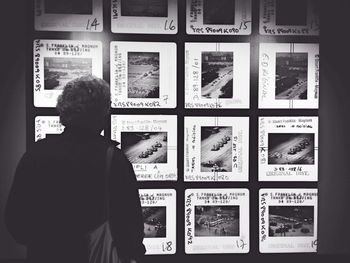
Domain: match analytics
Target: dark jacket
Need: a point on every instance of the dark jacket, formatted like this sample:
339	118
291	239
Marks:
57	197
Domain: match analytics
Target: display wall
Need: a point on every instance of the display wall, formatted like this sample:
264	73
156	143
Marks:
253	113
215	105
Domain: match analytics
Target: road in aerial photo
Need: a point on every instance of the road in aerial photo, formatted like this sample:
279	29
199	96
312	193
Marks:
214	152
137	146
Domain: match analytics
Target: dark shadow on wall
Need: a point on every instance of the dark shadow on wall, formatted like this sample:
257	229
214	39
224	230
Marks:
334	180
12	109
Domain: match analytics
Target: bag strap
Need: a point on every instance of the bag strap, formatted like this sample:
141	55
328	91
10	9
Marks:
108	168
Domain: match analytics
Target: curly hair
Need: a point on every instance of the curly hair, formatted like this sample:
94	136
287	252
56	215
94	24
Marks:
85	102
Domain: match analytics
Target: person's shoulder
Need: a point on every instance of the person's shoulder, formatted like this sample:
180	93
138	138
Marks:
107	142
40	149
118	153
44	143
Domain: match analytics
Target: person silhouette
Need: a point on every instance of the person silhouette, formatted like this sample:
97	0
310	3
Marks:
59	189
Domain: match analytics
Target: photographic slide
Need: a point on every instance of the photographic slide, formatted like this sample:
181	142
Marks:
288	149
288	220
216	149
143	74
216	221
290	17
150	144
159	220
47	126
220	17
68	15
144	16
217	75
289	76
56	62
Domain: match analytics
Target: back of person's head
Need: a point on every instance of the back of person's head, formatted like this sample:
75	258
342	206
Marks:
85	103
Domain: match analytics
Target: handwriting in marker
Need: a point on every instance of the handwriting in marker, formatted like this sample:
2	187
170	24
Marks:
241	244
92	25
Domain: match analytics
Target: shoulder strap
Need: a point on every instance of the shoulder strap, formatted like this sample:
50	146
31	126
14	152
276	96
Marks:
108	168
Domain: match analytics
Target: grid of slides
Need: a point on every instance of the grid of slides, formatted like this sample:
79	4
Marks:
214	103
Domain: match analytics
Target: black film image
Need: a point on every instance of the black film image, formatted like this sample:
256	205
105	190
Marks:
146	8
291	148
216	221
217	75
154	221
145	147
291	76
143	74
291	12
77	7
291	221
59	71
216	149
219	12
